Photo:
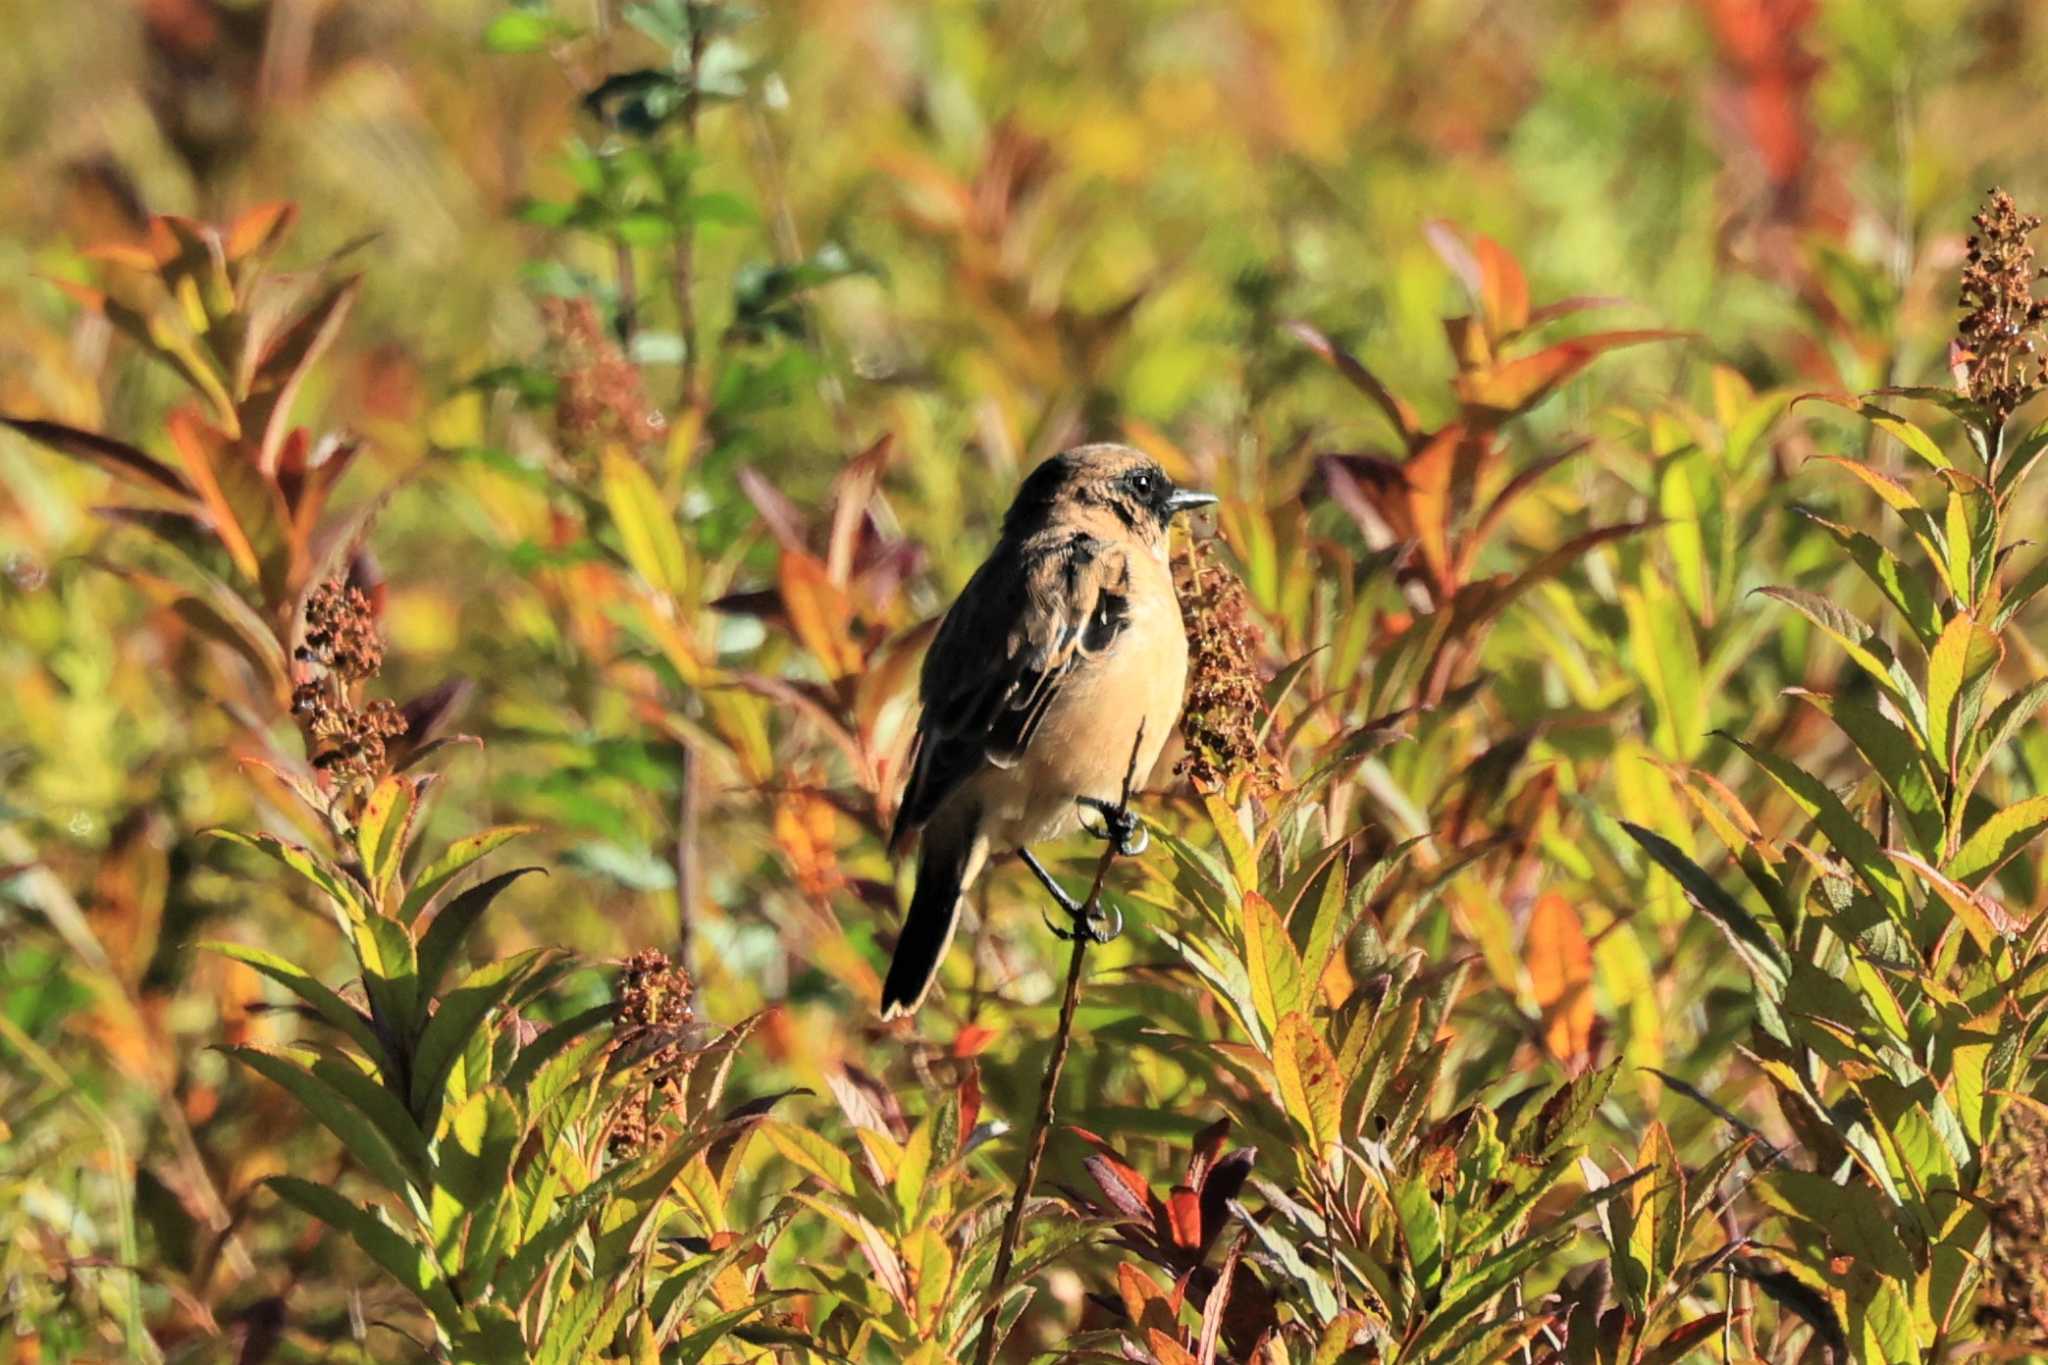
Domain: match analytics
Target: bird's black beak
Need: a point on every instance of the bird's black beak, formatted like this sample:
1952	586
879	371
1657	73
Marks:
1186	500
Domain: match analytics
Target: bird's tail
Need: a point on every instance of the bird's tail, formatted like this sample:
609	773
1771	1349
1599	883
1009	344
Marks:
952	855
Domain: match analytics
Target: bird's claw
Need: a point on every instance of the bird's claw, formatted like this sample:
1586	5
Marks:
1104	926
1118	826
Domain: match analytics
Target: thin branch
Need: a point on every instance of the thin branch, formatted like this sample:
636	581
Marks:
686	857
684	276
1041	1124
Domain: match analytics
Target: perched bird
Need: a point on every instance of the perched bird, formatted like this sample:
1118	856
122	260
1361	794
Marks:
1064	653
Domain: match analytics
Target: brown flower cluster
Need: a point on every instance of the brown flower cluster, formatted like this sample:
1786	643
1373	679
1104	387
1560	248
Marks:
2015	1302
1998	342
651	1020
598	395
1220	720
345	738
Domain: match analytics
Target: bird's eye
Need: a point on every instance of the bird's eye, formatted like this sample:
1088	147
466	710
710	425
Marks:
1142	481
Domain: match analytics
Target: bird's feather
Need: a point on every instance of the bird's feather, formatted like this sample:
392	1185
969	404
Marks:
1036	609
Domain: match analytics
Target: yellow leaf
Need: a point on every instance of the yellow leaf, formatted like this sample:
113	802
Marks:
1271	961
805	1149
647	529
1311	1087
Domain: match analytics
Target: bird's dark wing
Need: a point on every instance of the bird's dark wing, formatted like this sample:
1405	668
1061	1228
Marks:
1031	614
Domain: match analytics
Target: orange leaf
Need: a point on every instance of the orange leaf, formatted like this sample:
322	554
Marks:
1561	976
205	453
1165	1350
1184	1216
820	613
1429	475
1489	273
1515	386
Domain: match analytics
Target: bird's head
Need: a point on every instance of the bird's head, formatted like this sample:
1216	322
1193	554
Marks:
1091	482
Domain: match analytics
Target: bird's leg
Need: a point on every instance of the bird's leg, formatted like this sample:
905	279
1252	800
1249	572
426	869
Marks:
1118	824
1084	925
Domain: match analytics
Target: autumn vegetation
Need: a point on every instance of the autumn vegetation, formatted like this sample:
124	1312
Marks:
475	486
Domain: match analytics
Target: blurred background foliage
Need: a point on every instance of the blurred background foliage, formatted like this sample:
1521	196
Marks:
697	351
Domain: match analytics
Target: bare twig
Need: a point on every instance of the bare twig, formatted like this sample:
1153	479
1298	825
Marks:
684	275
628	293
1041	1124
686	857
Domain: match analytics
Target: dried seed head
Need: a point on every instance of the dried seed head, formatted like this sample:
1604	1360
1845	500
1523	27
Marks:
341	632
1220	721
599	396
1999	340
2015	1299
651	1018
346	739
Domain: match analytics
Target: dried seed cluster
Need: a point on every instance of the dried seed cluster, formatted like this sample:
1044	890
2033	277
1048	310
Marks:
341	632
2016	1292
346	738
599	396
1999	339
1220	721
651	1019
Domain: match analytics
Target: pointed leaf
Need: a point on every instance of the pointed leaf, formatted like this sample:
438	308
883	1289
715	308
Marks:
116	457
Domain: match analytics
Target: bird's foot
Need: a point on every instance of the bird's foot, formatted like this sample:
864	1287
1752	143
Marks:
1103	926
1118	826
1098	926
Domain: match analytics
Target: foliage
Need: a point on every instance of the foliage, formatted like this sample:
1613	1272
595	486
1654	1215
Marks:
1594	908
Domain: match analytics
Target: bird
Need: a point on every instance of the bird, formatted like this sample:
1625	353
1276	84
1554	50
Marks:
1059	669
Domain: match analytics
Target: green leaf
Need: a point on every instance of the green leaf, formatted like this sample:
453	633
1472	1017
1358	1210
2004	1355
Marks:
477	1148
2019	594
1905	591
382	832
361	1137
522	31
1421	1229
1960	656
1851	1219
1271	961
1667	659
391	977
1855	843
345	894
458	856
811	1153
916	1164
407	1262
324	1002
443	936
646	526
1994	842
1297	1271
1765	958
463	1011
1984	741
1897	759
1862	645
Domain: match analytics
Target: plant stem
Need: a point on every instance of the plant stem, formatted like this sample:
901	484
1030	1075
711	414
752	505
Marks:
686	857
623	255
684	275
1041	1123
